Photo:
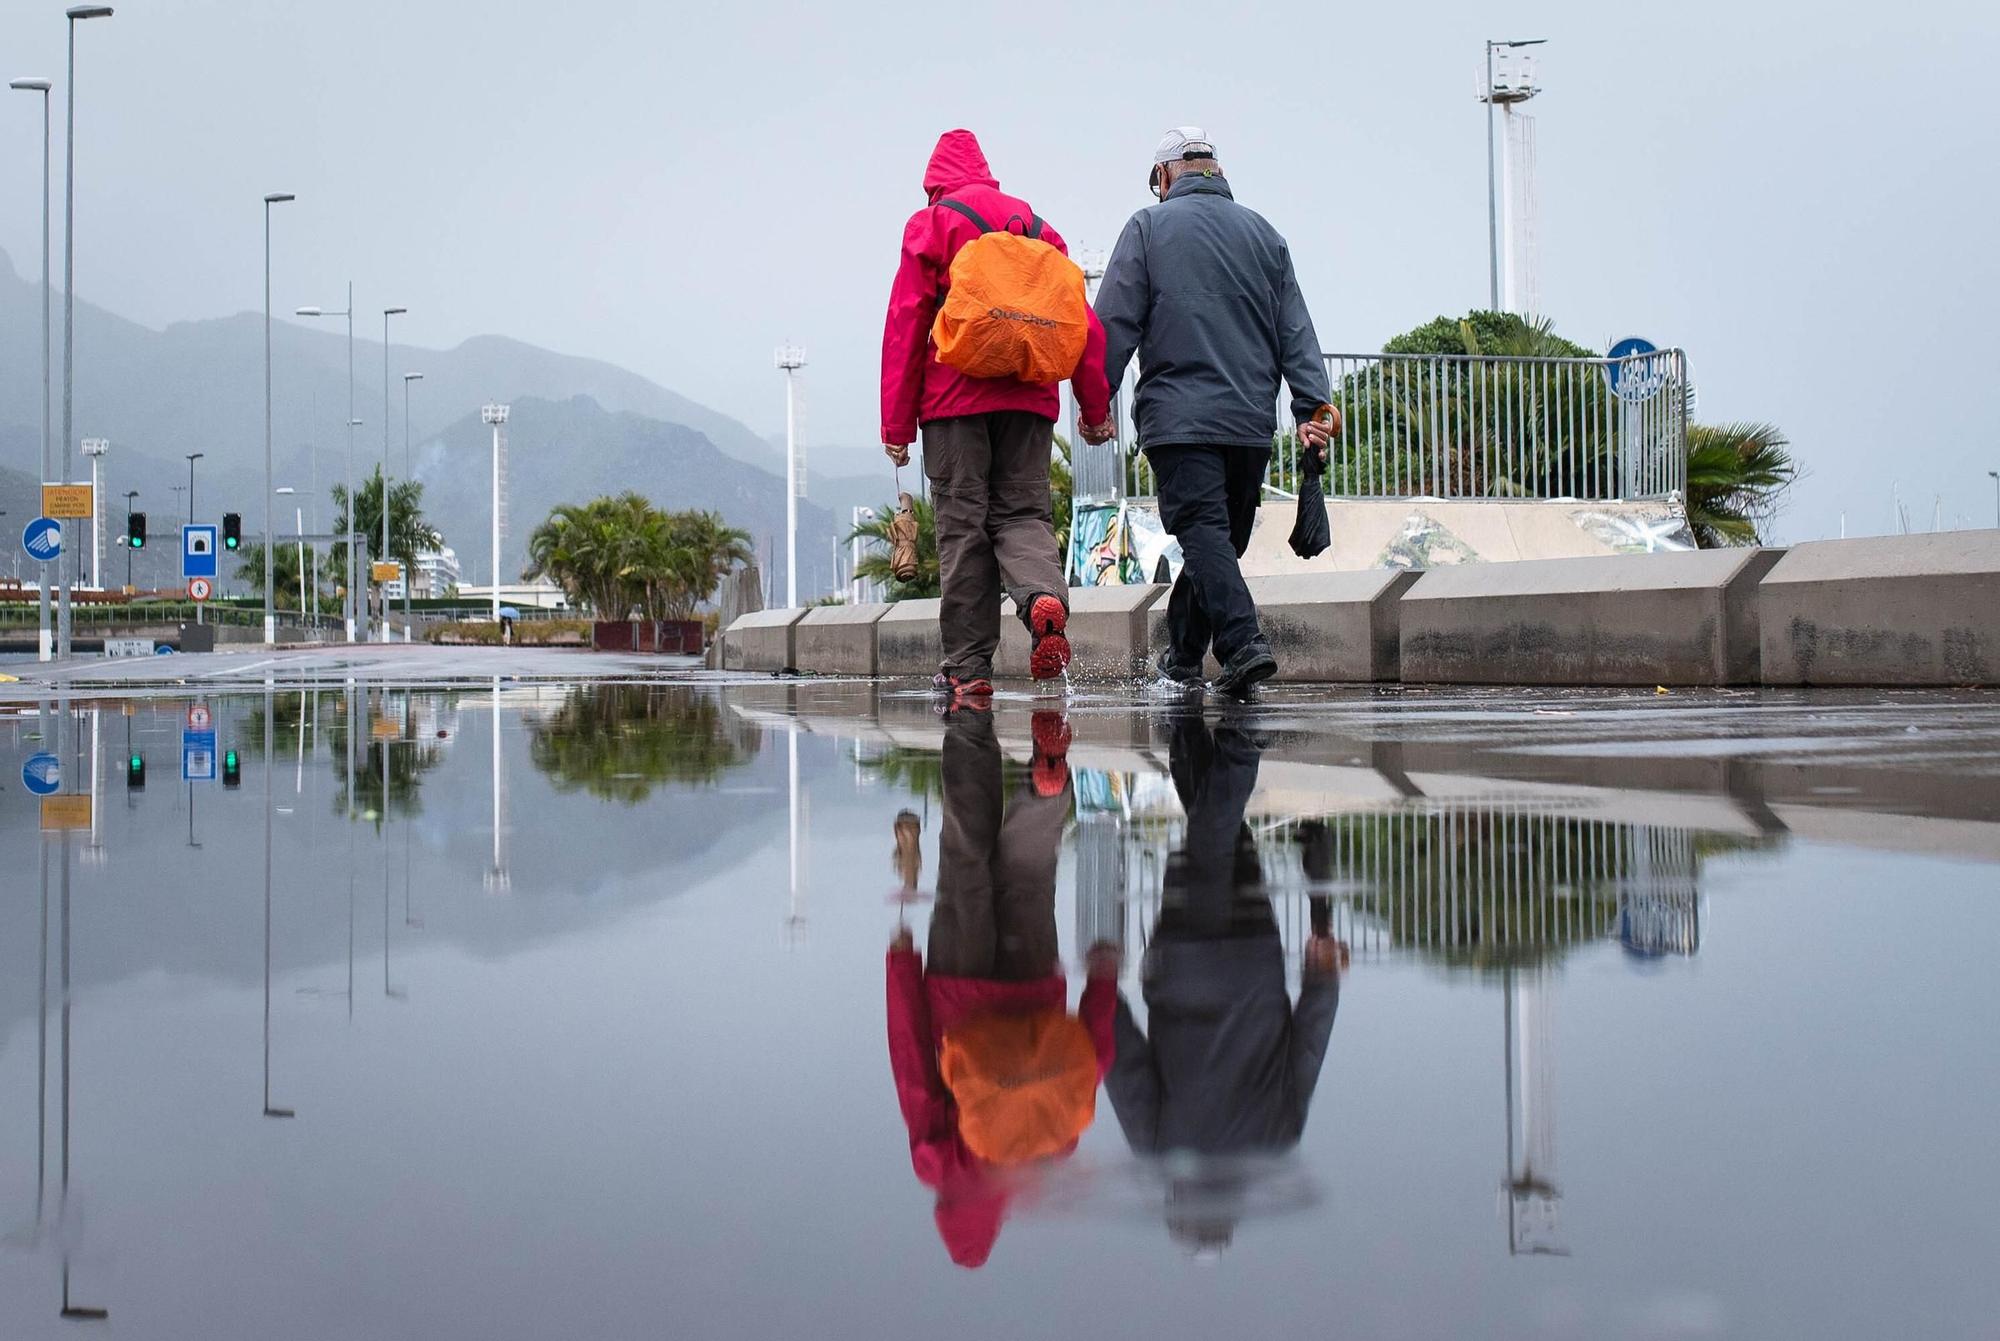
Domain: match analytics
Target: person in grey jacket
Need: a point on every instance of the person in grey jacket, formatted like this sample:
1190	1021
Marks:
1202	290
1222	1086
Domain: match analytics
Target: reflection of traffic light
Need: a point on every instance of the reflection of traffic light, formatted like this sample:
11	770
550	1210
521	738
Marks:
135	773
232	772
135	530
232	531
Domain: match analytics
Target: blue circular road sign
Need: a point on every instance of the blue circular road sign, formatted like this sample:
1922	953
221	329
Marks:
42	539
1638	378
42	774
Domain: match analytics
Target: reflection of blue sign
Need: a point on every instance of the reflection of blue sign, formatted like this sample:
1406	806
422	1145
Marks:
197	756
42	539
42	774
1636	380
197	551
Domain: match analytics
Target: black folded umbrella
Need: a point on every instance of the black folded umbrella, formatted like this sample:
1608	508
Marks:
1312	533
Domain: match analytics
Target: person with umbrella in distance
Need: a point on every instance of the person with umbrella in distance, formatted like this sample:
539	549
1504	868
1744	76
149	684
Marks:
1202	290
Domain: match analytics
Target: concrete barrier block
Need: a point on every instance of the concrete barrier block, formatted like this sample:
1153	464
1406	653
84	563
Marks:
761	641
837	639
1327	627
1682	618
1107	633
1908	610
907	640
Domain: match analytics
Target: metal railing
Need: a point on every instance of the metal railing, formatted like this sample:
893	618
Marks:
1466	426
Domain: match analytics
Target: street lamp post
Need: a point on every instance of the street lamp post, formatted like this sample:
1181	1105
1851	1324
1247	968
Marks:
192	458
95	448
1488	96
42	86
130	494
270	531
409	578
496	415
67	562
299	521
352	605
387	312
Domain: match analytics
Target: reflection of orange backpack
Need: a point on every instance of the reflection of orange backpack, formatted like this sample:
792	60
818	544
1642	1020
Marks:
1015	308
1025	1084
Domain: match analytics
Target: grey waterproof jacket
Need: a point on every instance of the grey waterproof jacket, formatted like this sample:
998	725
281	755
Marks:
1202	289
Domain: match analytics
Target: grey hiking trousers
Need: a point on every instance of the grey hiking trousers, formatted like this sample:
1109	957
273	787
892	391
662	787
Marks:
989	476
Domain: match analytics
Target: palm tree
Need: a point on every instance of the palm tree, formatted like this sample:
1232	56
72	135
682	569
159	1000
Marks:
1736	474
875	567
284	575
409	532
617	555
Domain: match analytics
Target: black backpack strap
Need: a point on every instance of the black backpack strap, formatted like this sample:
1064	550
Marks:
960	207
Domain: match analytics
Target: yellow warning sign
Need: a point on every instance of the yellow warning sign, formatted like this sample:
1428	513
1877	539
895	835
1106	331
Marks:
381	572
67	502
65	812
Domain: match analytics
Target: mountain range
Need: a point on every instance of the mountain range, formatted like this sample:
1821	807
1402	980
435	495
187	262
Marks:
579	427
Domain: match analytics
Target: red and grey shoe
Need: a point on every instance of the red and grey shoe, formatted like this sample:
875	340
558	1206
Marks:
1048	618
1050	769
974	692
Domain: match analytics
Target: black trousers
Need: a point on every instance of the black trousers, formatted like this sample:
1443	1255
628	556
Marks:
1208	502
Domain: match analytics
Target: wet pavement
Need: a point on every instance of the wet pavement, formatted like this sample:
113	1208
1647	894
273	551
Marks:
521	1006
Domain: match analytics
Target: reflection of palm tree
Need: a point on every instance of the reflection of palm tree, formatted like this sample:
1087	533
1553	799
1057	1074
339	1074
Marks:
918	772
619	742
408	760
1495	888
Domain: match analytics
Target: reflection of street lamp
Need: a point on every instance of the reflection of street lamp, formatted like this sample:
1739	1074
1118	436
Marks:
269	801
69	1310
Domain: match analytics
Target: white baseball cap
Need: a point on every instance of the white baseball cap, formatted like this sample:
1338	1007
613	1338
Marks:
1184	142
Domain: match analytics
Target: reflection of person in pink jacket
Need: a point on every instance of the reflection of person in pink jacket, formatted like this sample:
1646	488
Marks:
987	440
992	950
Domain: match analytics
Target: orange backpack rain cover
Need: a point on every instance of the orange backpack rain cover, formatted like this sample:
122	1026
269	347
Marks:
1025	1084
1015	308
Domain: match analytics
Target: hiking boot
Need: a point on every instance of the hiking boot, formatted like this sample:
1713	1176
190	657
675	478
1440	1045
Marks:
1172	675
1242	673
1050	770
974	692
1047	620
903	531
909	857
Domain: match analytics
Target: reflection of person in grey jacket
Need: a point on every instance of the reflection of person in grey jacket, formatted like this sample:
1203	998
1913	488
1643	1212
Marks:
1224	1082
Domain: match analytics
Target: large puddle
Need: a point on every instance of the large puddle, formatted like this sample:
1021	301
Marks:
709	1011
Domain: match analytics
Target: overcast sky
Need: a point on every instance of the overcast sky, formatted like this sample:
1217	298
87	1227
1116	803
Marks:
1807	206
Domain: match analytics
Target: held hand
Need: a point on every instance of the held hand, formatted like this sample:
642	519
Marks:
1096	434
1104	960
1325	955
898	453
1319	432
903	941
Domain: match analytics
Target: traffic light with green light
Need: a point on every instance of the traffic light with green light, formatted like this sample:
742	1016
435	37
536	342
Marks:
135	773
232	531
135	530
232	771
